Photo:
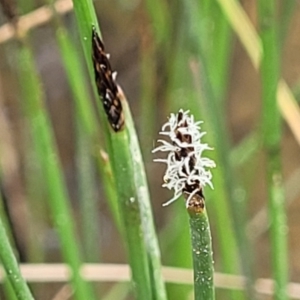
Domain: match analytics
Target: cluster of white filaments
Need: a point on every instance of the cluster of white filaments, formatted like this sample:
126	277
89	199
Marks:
187	171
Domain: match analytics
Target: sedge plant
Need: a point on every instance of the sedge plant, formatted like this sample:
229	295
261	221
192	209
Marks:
43	141
124	153
271	125
187	173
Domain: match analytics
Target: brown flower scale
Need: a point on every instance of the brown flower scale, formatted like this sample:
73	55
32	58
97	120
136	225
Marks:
197	202
107	87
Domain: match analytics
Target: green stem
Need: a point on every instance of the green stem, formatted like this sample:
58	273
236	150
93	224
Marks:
193	41
134	203
271	123
43	139
8	289
86	115
130	211
141	188
210	89
202	256
10	264
87	198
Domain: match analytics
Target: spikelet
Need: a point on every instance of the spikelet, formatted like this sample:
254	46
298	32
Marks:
187	170
106	83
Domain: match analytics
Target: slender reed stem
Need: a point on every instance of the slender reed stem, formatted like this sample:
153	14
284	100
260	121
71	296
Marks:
10	264
86	114
129	208
141	187
43	140
128	169
205	105
8	289
184	148
271	122
202	256
87	198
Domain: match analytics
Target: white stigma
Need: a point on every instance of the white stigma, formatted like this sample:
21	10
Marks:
191	169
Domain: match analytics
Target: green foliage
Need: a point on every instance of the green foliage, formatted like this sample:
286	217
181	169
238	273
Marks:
186	56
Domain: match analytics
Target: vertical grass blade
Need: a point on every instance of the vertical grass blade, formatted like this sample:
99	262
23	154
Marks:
214	123
86	114
8	289
134	204
202	256
87	136
141	187
129	209
215	32
180	94
271	123
187	172
200	98
47	156
10	265
88	199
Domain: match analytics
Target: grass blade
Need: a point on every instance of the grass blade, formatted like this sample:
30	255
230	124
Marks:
129	206
8	289
132	188
47	154
271	123
141	187
202	256
214	123
86	115
10	264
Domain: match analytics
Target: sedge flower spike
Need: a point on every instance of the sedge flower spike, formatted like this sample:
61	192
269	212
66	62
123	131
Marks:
187	170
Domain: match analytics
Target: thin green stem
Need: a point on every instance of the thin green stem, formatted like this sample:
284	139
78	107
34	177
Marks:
141	188
86	115
43	139
87	137
10	265
212	113
133	197
88	200
271	123
130	207
202	256
8	289
192	48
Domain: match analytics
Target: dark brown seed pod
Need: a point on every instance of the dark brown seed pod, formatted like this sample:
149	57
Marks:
106	83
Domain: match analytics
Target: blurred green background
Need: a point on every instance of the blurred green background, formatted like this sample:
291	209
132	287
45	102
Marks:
168	55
